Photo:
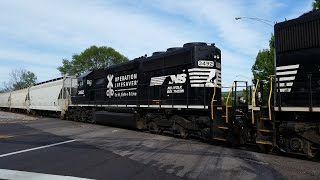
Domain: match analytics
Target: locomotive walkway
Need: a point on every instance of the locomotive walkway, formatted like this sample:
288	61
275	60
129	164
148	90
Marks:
50	148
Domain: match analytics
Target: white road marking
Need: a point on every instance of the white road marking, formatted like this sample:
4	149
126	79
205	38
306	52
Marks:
36	148
22	175
114	130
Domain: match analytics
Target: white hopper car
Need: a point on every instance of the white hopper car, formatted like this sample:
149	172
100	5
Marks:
51	96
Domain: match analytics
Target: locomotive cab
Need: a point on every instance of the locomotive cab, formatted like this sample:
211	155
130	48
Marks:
82	90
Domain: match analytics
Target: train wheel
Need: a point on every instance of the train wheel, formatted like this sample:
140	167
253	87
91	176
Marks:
153	127
180	131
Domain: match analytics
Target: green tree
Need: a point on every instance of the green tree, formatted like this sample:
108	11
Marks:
90	59
263	67
19	79
316	5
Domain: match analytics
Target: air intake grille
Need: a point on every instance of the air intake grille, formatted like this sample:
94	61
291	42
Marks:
291	35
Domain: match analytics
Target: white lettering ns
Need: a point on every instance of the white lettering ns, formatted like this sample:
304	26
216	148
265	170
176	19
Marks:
178	79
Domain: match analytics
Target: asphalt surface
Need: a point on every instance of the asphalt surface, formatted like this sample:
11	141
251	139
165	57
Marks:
101	152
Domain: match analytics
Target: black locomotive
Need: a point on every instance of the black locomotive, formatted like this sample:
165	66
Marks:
297	96
169	91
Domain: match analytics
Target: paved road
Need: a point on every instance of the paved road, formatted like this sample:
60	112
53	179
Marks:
102	152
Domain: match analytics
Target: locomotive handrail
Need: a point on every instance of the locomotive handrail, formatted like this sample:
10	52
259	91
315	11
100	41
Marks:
227	102
212	100
253	102
270	95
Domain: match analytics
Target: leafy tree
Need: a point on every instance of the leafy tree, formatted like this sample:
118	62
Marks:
263	67
19	79
91	58
316	5
264	64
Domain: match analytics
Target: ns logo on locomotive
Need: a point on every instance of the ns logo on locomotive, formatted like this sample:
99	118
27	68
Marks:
179	91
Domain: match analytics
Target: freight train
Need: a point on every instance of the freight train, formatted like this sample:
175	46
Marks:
179	91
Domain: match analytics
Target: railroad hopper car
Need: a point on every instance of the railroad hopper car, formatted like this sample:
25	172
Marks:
43	98
297	84
168	91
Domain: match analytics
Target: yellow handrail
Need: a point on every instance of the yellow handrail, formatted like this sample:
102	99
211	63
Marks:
212	100
227	102
253	102
269	100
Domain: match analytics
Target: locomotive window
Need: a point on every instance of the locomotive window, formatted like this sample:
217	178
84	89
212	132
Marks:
80	83
89	82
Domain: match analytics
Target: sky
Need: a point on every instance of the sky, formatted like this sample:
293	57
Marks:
37	34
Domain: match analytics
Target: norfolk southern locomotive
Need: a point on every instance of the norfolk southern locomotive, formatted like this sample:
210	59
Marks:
179	91
169	91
